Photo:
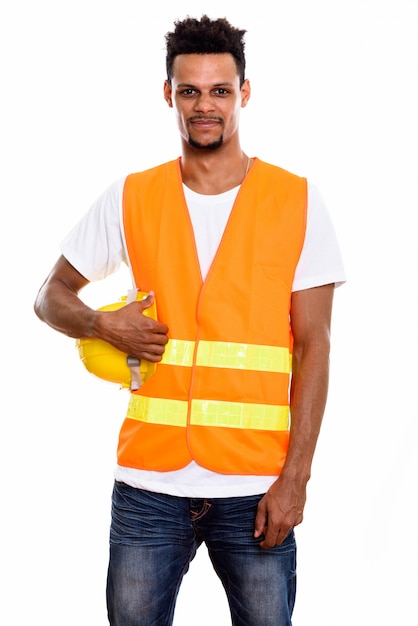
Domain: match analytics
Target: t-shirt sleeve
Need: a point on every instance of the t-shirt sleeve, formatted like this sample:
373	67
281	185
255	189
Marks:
320	262
95	246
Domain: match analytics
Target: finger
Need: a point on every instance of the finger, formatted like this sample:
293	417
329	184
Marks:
148	300
270	537
260	522
146	303
152	357
275	536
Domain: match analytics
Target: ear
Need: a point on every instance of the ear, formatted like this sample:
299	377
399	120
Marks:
168	94
245	92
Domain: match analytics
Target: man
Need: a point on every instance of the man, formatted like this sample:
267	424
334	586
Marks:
231	249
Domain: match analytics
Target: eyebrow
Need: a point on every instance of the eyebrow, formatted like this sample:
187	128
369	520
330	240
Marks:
224	84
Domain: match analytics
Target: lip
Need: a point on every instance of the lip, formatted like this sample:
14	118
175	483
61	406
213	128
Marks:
204	123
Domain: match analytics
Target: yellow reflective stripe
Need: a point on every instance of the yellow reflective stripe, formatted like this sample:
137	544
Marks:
178	352
243	356
239	415
157	410
208	413
229	355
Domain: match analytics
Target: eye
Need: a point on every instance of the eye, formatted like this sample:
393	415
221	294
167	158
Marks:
188	92
221	91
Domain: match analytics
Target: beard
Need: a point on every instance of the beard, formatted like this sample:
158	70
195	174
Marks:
214	145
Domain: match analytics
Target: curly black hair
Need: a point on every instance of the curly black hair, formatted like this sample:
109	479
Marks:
205	36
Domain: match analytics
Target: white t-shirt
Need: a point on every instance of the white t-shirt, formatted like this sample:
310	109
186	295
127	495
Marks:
96	248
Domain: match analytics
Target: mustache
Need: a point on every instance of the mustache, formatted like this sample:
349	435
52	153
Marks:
204	118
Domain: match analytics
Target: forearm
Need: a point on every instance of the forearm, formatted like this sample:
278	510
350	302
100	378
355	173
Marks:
308	397
58	305
63	310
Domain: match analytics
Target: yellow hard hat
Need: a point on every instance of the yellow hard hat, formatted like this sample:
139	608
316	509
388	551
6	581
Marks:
105	361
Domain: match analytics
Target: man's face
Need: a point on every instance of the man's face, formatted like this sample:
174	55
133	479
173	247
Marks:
207	98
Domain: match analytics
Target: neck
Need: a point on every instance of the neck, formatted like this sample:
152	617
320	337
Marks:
212	173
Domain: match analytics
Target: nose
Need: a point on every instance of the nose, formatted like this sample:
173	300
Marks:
204	103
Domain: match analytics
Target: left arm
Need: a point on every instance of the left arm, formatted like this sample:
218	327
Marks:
282	506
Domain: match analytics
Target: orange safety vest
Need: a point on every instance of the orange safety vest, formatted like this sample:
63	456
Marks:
220	395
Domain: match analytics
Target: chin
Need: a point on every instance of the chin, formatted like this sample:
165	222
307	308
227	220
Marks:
212	145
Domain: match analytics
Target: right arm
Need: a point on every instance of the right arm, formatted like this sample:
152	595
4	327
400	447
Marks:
58	305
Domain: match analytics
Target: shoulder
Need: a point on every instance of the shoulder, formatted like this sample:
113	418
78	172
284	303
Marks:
158	171
317	208
320	262
277	172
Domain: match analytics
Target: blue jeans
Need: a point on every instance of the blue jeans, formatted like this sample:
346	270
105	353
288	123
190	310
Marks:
153	539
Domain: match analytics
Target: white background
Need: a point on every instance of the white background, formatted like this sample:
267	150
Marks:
334	99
